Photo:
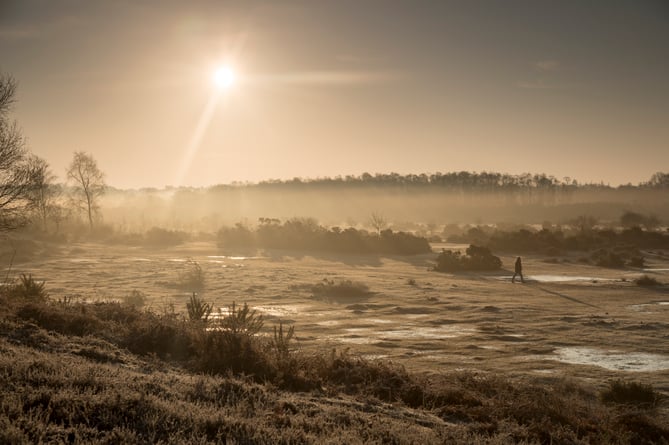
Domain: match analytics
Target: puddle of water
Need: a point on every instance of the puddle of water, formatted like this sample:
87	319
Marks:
655	270
140	259
563	278
238	258
646	307
427	332
82	260
377	320
328	323
613	360
282	310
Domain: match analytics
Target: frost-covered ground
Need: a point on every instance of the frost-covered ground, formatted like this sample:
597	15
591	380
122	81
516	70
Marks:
568	318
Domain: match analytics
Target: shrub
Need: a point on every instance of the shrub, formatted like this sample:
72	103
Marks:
607	258
198	310
342	289
645	280
135	298
241	320
28	289
306	234
624	392
476	258
192	277
157	237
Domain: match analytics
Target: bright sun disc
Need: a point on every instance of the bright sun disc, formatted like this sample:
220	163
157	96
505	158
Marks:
224	77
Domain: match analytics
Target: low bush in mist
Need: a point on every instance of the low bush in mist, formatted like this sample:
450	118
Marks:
340	289
191	277
475	258
307	235
157	237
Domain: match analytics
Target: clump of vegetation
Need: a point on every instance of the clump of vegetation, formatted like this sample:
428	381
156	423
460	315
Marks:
340	289
198	309
583	236
27	288
625	392
307	235
475	258
158	237
135	298
241	320
646	280
192	277
607	258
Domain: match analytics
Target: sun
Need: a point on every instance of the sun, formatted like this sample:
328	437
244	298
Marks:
224	77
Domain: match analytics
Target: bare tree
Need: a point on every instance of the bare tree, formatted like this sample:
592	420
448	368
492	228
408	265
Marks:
43	192
377	221
15	177
89	183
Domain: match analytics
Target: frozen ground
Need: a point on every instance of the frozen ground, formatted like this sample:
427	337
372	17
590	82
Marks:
569	318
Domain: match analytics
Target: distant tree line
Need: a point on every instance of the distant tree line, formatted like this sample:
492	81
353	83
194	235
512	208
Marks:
463	180
306	234
554	242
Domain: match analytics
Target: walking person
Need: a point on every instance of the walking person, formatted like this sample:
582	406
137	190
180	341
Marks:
518	271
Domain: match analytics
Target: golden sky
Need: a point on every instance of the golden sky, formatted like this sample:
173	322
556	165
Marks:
326	88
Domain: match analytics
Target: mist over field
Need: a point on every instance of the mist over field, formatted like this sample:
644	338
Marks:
404	204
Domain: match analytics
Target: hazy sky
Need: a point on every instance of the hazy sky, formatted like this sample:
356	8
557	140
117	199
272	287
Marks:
570	88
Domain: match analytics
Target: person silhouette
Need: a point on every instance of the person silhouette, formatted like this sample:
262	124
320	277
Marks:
518	270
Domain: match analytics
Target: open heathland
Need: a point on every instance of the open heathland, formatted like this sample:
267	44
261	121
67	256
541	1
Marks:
384	349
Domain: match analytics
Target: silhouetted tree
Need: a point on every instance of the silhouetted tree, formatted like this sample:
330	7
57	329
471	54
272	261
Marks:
15	176
378	222
43	191
89	183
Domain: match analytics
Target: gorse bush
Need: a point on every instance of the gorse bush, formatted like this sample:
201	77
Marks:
306	234
241	320
27	289
198	310
624	392
646	280
340	289
476	258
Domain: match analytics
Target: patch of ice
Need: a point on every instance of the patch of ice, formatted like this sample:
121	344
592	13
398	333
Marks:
377	320
238	258
613	360
282	310
563	278
328	323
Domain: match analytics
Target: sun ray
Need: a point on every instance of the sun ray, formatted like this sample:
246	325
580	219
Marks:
196	138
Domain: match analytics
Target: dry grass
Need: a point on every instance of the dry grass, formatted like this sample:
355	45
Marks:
110	373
